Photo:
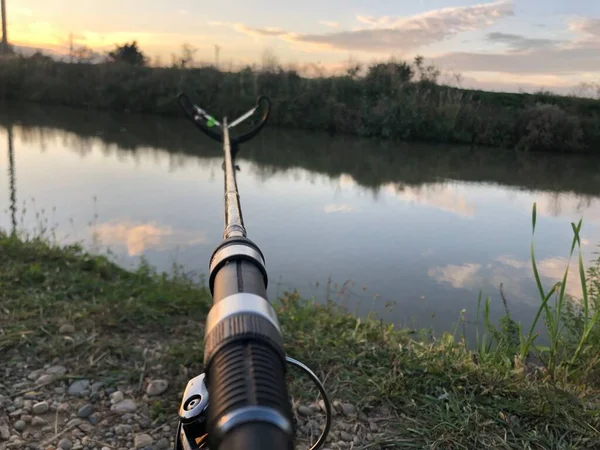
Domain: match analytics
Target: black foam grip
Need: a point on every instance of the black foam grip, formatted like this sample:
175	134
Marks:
247	373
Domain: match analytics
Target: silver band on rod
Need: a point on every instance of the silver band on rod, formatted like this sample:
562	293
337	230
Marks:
240	303
236	250
252	414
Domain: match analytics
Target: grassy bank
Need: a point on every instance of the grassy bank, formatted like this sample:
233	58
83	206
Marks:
393	100
437	394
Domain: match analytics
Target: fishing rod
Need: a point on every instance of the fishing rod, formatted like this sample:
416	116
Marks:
241	401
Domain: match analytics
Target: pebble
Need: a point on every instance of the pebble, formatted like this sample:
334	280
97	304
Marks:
94	418
86	427
74	423
65	444
38	421
56	370
105	448
20	425
348	409
59	390
10	409
35	374
31	395
66	328
346	436
162	444
46	378
4	432
142	440
342	444
144	421
116	397
78	387
373	427
18	402
16	413
124	406
96	386
157	387
315	408
369	437
304	411
121	430
362	417
85	411
26	418
356	440
41	408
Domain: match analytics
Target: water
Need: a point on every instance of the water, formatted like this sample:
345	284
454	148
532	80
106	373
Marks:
411	232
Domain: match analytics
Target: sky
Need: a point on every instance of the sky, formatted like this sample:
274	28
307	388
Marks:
499	45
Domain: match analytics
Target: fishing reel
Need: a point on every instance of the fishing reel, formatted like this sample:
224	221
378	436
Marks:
191	431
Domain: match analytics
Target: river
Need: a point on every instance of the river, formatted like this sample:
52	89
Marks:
410	232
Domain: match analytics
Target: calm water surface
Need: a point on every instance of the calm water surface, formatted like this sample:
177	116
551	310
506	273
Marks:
409	231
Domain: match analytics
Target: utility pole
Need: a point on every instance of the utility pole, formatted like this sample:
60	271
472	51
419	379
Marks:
4	48
70	47
217	50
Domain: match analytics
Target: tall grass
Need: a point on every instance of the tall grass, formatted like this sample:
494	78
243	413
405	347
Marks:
571	326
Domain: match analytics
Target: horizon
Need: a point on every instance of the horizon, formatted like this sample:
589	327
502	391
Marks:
502	45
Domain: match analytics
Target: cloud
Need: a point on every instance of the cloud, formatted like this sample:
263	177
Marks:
395	34
519	43
329	23
459	276
441	196
338	208
535	56
139	237
550	268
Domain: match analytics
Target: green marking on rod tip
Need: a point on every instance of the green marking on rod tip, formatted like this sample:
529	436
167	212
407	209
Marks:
211	121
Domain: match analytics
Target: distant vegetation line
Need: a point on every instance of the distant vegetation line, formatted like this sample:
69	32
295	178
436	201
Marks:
393	100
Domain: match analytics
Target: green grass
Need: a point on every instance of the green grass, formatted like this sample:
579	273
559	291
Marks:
439	393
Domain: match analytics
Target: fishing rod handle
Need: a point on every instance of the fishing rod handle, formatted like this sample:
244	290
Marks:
244	358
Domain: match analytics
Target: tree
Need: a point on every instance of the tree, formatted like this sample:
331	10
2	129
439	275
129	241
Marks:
128	53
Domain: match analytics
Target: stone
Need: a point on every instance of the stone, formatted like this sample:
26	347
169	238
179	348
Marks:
94	418
38	421
74	423
157	387
144	421
342	444
362	417
315	407
66	328
31	395
56	370
166	429
96	386
304	411
356	440
142	440
116	397
86	427
85	411
59	390
46	378
20	425
348	409
17	413
78	387
41	408
26	418
346	436
27	405
35	374
105	448
369	437
10	409
373	427
65	444
122	430
162	444
124	406
19	402
4	432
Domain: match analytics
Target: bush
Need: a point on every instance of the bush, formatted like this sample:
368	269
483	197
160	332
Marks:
549	128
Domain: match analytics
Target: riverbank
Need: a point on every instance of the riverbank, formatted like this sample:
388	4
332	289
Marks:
72	320
389	102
